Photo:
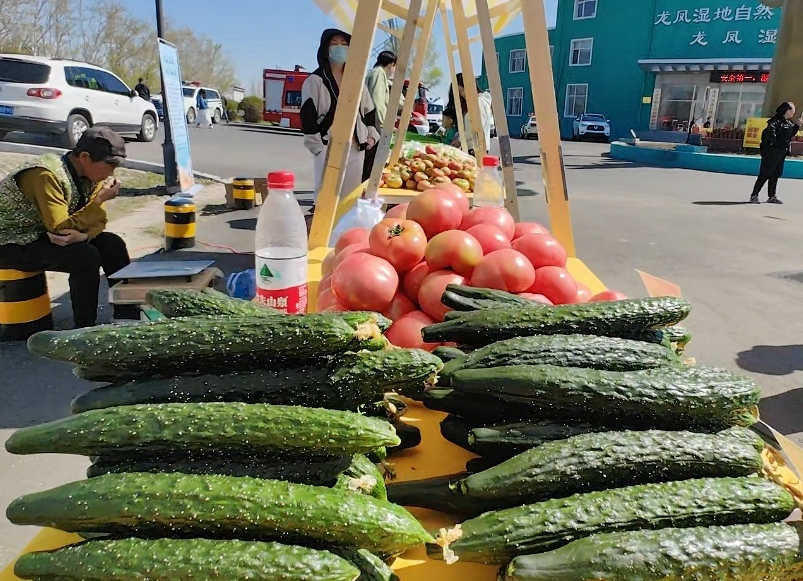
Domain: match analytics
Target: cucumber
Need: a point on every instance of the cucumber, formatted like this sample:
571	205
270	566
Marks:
174	559
363	476
344	382
456	430
668	398
466	298
198	427
475	408
226	506
499	536
504	441
371	567
409	435
440	493
448	353
190	303
610	353
614	318
315	470
598	461
732	553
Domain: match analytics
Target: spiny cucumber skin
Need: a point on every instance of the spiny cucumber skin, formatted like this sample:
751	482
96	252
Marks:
361	467
499	536
371	567
507	440
753	552
194	427
172	559
599	461
224	506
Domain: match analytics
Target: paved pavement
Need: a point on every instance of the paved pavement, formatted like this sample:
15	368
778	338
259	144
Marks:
688	227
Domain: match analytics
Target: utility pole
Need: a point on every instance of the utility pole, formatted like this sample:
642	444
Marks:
168	148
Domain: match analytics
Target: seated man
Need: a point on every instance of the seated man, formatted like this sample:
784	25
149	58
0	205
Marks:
51	218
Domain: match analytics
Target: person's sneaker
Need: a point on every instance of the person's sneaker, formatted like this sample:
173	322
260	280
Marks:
774	200
754	200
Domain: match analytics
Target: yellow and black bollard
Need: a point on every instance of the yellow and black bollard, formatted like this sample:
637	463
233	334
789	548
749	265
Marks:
24	305
179	224
243	193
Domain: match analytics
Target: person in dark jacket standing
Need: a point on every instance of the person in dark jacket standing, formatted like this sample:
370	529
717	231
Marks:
776	144
143	90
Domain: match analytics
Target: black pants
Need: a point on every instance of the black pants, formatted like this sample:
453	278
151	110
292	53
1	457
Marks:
82	261
772	166
370	156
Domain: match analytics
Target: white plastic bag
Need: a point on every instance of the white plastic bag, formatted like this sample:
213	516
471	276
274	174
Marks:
364	214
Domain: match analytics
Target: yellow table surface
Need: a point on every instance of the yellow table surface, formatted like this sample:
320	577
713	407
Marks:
434	457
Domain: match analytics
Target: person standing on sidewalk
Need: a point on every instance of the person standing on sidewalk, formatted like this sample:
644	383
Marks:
378	83
52	218
143	90
776	144
203	110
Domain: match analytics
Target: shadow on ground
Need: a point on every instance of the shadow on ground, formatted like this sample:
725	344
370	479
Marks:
719	203
784	411
772	359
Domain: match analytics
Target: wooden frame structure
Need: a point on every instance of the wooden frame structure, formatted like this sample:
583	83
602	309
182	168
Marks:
466	16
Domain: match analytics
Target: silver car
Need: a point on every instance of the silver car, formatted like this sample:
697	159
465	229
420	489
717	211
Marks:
590	125
530	129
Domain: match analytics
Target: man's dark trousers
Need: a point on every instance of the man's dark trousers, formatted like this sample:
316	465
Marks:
82	261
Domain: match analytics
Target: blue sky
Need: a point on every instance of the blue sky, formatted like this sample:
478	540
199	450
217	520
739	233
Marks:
283	35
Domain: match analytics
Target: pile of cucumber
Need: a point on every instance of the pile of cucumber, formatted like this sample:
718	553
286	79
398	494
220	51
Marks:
231	442
601	455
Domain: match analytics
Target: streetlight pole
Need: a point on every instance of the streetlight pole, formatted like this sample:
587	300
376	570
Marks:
168	148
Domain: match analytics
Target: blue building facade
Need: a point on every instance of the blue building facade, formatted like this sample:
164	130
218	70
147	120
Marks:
649	65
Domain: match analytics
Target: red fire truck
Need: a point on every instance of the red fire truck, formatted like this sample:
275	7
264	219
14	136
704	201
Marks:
282	92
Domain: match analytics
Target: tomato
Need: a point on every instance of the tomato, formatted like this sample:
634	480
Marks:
458	194
498	217
524	228
583	293
435	211
348	251
506	270
338	307
326	299
541	250
365	282
490	237
536	298
406	331
328	264
555	283
608	295
326	282
429	295
399	306
352	236
400	242
399	212
413	279
454	249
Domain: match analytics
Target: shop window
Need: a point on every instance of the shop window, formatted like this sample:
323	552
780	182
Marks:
738	104
676	106
293	99
576	100
517	60
580	53
515	101
585	9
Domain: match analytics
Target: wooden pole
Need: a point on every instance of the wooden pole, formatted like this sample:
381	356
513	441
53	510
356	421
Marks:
477	137
450	48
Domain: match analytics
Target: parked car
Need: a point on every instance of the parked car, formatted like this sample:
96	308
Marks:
435	115
591	125
157	102
530	129
50	96
213	98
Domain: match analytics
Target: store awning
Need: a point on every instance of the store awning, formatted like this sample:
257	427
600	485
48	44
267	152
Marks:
695	65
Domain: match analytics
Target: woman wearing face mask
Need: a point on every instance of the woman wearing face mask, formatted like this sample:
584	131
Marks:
776	143
486	113
319	96
378	83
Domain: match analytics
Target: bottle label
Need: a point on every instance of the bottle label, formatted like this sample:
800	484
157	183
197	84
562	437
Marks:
282	283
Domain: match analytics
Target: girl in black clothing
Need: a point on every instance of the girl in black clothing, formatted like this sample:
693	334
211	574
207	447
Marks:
776	144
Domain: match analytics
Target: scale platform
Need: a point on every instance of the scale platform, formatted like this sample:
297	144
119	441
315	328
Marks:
136	279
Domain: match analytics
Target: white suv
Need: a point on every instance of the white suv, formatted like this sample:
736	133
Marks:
64	97
213	99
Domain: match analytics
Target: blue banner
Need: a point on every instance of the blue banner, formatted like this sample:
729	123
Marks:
174	101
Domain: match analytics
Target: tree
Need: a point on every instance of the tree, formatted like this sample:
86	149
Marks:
432	75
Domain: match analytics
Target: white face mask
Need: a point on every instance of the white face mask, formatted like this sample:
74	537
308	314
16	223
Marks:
338	53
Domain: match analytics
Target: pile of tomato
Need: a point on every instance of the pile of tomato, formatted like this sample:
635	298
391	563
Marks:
401	266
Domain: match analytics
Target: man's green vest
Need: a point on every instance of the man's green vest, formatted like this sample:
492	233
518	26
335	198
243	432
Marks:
20	222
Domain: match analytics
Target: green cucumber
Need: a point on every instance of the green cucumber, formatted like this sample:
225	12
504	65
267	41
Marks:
371	567
343	382
363	476
174	559
456	430
409	435
476	408
440	493
158	504
448	353
616	319
731	553
466	298
190	303
199	427
503	441
499	536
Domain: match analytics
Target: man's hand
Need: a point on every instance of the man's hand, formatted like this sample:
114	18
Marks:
108	192
67	237
371	142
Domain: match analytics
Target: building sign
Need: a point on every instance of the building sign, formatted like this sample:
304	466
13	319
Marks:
704	16
753	129
713	101
656	104
751	77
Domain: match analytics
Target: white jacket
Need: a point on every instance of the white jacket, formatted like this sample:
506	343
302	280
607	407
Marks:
486	120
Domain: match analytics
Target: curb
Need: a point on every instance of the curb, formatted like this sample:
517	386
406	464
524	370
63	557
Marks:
266	128
135	164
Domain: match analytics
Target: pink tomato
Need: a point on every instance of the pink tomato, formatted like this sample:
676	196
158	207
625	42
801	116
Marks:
458	194
400	242
365	282
352	236
398	307
498	217
556	284
431	291
490	237
326	299
326	282
406	331
398	212
608	295
348	251
328	264
454	249
435	212
413	279
524	228
583	293
536	298
506	270
541	250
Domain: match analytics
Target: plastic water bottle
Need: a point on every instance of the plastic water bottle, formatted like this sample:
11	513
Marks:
281	248
489	190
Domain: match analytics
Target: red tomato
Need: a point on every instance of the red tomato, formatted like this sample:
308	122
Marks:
326	282
399	306
406	331
326	299
458	194
429	295
536	298
555	283
524	228
498	217
365	282
454	249
352	236
399	212
490	237
608	295
328	264
401	242
583	293
435	212
541	250
348	251
506	270
338	307
413	279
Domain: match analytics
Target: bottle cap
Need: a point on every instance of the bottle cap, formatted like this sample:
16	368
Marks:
490	161
281	180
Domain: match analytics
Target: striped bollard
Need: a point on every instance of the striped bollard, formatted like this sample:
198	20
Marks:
179	224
